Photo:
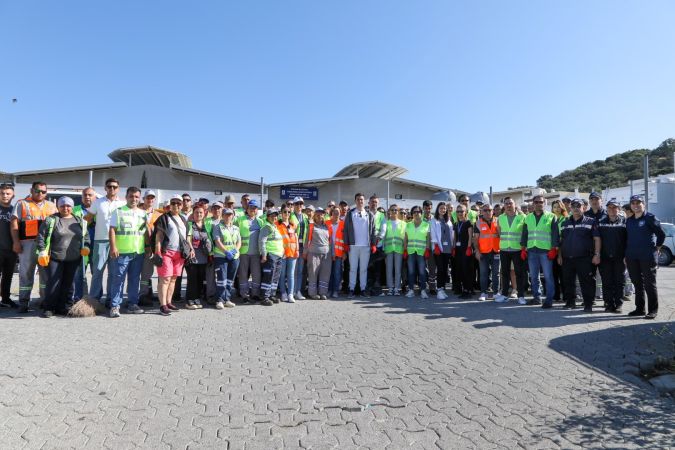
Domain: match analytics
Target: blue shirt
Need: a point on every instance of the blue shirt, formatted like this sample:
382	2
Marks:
644	235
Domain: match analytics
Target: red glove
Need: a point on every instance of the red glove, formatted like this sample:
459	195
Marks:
405	254
437	250
427	254
346	248
523	254
553	253
373	249
469	251
453	252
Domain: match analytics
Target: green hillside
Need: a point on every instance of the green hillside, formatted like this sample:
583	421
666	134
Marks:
613	171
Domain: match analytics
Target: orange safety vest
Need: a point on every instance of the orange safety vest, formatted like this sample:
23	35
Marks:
32	216
290	240
339	237
488	239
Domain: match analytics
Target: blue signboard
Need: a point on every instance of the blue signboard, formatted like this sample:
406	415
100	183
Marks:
307	193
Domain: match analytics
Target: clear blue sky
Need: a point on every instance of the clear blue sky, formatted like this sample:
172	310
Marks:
463	94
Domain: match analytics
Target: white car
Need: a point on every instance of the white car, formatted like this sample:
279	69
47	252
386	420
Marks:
668	249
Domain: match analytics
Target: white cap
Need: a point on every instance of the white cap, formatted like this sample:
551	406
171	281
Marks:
150	192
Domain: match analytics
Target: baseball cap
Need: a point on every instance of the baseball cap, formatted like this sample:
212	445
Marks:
227	211
272	211
594	195
566	199
229	198
203	200
177	197
253	203
217	204
298	200
577	201
320	209
310	207
613	202
150	192
636	198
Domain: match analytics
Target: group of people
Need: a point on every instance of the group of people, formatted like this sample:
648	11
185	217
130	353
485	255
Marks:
292	251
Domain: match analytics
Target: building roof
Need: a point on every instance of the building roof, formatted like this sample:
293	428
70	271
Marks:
149	155
212	175
94	167
372	169
316	181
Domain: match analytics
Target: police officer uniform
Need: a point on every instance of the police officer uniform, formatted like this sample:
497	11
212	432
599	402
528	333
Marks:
612	267
644	235
577	248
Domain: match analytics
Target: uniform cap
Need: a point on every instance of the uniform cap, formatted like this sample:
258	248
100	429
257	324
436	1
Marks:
613	202
320	210
298	200
272	211
150	192
636	198
217	205
227	211
253	203
176	197
576	201
594	195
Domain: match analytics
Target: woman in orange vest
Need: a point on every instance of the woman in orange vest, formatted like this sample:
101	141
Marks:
291	254
336	230
487	242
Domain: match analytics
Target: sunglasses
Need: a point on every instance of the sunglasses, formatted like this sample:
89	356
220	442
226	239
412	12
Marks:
38	191
393	210
112	186
538	202
285	211
187	199
176	203
487	209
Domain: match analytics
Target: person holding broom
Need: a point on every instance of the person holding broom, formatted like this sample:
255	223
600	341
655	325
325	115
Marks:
61	243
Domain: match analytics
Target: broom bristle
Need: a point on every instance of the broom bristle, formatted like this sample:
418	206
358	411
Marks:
86	307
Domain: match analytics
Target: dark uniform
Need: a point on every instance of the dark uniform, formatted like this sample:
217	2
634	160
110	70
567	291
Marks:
644	234
612	267
577	249
598	216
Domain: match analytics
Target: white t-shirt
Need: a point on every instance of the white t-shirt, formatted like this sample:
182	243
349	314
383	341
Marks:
102	208
361	235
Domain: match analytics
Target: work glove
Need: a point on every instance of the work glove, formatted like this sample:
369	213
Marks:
453	252
346	248
437	250
373	249
523	254
43	259
405	254
427	254
84	251
552	254
469	251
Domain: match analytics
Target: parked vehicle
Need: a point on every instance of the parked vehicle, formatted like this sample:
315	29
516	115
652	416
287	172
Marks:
668	249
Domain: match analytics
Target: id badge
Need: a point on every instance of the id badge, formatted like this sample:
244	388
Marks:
458	244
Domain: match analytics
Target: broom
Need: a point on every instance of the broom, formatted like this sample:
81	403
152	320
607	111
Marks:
86	307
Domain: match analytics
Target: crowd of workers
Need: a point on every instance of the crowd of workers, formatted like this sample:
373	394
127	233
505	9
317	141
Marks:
294	251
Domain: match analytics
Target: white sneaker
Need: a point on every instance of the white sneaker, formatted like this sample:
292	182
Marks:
482	297
284	297
499	298
522	301
290	299
220	305
441	295
514	295
424	294
299	296
410	294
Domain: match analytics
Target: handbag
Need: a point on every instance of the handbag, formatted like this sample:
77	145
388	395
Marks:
185	248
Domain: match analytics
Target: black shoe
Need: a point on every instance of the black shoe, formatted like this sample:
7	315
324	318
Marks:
547	306
570	305
245	299
636	313
616	310
23	309
365	294
534	301
47	314
9	303
275	300
267	302
163	310
351	294
651	315
588	309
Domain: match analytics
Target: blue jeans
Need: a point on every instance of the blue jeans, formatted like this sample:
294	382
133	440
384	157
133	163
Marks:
99	261
417	268
80	281
335	276
129	265
535	261
226	270
287	276
489	265
299	273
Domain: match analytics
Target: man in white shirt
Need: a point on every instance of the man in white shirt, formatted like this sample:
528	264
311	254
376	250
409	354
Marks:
101	210
360	239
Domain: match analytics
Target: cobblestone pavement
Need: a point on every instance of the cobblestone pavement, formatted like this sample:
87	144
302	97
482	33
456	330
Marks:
378	373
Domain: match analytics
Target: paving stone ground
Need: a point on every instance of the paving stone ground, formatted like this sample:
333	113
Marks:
379	373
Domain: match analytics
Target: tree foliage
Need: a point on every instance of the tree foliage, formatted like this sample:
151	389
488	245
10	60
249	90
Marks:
614	171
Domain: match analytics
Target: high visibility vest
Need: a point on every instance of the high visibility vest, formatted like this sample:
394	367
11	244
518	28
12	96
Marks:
244	225
539	234
32	216
488	239
379	219
289	239
275	242
509	237
130	230
417	237
393	240
300	230
230	238
51	221
339	243
239	212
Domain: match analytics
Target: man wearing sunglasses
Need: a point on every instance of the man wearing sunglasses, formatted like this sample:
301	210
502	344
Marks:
28	215
101	211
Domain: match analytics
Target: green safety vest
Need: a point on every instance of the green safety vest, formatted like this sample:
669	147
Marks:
245	232
275	241
393	240
539	234
379	218
509	236
51	221
230	239
472	216
130	231
417	237
294	220
239	212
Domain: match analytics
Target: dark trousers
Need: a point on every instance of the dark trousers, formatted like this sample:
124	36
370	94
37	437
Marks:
271	270
643	275
7	263
442	265
583	268
611	272
196	281
375	270
59	292
176	297
557	280
466	275
519	267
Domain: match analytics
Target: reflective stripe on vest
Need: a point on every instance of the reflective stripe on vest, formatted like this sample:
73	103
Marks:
229	239
274	244
393	240
244	225
488	240
289	239
32	216
417	237
130	230
339	244
539	234
509	235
